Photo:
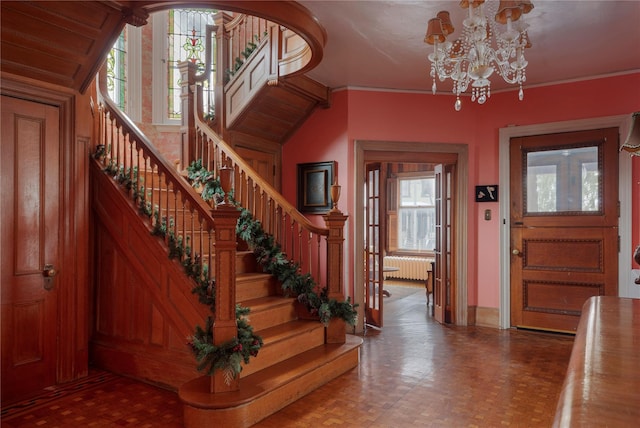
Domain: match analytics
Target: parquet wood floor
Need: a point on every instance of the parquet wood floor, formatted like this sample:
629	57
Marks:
413	373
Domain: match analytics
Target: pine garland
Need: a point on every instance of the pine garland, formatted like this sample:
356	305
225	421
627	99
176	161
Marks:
272	259
230	355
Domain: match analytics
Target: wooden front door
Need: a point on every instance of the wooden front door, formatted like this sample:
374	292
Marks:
564	225
443	278
29	244
372	244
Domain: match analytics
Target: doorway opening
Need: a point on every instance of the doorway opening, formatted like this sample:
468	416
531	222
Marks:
372	152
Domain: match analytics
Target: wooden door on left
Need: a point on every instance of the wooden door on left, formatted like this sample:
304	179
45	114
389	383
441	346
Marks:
30	246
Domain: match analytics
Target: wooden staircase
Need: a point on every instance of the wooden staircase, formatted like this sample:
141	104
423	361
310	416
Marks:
293	361
298	355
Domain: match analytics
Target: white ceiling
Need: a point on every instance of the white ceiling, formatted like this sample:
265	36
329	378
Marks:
380	44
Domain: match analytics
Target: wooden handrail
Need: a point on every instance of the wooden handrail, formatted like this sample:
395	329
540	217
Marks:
229	157
302	241
174	209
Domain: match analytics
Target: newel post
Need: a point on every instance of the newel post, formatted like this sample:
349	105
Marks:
225	216
187	122
335	221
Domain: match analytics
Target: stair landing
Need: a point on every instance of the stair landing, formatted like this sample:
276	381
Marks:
269	390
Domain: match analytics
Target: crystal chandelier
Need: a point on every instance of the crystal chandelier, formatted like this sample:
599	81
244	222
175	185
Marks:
486	45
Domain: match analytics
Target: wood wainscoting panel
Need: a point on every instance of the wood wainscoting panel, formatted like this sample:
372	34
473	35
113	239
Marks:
145	309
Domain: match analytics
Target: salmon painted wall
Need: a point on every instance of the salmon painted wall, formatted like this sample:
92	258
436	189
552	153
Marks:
392	116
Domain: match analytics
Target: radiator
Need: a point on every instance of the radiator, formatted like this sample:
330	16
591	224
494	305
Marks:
407	267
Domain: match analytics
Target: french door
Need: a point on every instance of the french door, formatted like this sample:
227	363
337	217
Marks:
564	225
373	250
443	275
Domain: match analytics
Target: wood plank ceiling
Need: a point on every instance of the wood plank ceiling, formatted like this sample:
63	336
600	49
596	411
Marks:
62	43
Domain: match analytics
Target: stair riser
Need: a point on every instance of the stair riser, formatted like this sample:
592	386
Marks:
273	353
278	314
246	262
254	289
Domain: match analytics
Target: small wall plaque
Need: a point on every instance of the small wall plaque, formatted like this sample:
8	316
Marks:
487	193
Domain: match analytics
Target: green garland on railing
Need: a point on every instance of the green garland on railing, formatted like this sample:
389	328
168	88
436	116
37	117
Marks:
246	53
228	356
272	259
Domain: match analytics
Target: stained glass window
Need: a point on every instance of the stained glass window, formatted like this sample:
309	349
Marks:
186	42
116	71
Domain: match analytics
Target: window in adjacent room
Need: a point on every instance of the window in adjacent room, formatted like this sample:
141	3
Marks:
416	213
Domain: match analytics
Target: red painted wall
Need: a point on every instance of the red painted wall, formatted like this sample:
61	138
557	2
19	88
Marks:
391	116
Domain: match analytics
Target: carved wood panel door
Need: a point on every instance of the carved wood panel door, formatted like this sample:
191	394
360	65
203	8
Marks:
30	246
373	247
564	225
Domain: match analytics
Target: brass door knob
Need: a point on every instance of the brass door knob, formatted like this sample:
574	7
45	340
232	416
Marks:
49	271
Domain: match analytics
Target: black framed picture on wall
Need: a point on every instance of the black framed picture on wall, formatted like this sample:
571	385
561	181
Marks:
314	184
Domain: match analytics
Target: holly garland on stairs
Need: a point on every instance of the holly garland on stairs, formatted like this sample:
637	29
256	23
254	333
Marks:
303	286
229	356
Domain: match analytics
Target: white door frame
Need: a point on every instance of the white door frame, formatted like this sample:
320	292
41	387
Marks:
623	123
460	220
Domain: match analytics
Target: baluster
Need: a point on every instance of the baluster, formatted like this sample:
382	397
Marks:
118	144
167	205
292	234
131	190
148	186
110	139
211	151
176	220
318	271
200	254
210	254
139	175
268	216
298	251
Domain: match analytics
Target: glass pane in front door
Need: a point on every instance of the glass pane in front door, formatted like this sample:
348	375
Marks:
565	180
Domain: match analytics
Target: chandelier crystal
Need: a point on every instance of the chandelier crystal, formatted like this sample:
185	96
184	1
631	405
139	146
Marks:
484	47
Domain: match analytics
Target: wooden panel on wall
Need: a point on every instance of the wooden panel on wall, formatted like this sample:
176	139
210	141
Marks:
145	309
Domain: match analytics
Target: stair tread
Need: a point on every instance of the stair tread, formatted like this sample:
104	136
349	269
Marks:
248	276
267	302
196	393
